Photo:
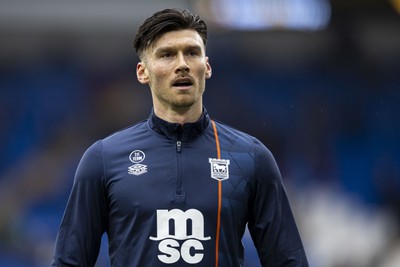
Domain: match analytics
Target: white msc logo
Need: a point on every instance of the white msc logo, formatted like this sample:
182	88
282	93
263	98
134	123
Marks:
137	156
191	249
219	168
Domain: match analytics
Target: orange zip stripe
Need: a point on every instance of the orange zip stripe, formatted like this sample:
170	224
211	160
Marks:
216	140
218	222
219	196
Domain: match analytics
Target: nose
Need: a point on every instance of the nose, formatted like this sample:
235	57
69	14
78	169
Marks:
182	65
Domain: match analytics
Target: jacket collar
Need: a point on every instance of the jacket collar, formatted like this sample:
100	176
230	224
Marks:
176	131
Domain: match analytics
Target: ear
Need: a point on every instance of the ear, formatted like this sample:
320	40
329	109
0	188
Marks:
208	70
142	73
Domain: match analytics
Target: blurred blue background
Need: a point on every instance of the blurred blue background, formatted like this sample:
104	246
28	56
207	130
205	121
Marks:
317	81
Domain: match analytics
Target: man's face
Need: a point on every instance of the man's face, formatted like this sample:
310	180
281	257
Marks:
175	67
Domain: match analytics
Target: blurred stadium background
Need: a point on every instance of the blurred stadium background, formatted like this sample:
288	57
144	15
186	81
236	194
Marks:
317	81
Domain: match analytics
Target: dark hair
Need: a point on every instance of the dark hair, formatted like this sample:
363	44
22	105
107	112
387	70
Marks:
165	21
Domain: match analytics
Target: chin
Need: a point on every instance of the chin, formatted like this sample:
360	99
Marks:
183	105
184	102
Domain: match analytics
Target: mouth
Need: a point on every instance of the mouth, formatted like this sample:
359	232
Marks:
182	83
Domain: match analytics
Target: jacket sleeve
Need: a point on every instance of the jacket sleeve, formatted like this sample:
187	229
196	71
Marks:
271	223
85	217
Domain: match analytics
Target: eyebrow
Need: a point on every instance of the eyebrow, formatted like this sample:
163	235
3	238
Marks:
172	48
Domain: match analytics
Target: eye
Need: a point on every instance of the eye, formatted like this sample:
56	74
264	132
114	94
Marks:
166	55
193	52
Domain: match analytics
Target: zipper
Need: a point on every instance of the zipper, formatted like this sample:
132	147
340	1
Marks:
179	176
179	146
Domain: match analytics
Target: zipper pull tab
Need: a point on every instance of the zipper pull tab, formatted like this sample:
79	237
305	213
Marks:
178	146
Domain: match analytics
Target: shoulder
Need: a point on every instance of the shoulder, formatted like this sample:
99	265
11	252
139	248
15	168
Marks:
239	137
126	133
115	141
229	132
121	139
238	141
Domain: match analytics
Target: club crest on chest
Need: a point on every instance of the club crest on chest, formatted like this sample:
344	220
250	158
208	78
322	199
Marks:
219	168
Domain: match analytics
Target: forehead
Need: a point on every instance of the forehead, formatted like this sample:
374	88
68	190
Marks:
176	39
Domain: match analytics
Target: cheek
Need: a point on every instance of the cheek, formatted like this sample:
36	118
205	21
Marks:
199	69
157	75
160	71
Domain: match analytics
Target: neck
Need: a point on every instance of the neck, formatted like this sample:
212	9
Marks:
180	115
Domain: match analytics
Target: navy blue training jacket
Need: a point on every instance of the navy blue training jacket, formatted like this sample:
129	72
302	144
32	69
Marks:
172	195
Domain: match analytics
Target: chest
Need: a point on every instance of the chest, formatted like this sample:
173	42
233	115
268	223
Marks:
167	175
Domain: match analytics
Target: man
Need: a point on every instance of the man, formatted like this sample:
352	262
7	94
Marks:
179	188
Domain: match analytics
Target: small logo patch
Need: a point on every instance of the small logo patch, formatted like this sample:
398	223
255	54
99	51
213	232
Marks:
137	156
219	168
137	169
